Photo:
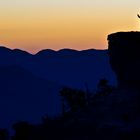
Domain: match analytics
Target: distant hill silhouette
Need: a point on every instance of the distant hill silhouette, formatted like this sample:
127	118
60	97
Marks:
46	53
24	96
69	52
30	84
66	67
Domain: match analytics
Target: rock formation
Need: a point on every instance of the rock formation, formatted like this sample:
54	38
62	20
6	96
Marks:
124	52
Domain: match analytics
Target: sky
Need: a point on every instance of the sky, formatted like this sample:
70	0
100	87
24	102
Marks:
34	25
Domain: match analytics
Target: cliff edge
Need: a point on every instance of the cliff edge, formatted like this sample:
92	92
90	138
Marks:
124	52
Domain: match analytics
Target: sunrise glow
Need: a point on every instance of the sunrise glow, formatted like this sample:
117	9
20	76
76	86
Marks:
33	25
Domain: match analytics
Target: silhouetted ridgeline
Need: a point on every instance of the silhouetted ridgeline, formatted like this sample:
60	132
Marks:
67	67
30	84
124	51
112	113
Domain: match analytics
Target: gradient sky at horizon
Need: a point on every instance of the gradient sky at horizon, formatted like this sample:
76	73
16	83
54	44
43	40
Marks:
33	25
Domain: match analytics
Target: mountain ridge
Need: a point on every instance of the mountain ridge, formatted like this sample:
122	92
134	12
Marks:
51	50
67	67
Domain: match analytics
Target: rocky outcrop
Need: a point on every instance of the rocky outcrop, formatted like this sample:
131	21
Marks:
124	52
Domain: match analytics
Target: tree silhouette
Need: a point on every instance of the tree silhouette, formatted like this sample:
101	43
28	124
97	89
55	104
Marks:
72	99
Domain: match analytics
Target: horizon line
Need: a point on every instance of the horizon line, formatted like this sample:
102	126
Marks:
12	49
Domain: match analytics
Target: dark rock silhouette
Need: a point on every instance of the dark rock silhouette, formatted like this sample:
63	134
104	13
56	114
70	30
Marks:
124	50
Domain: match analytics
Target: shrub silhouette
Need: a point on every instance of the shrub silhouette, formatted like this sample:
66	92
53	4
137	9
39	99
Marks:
103	87
72	99
23	131
4	134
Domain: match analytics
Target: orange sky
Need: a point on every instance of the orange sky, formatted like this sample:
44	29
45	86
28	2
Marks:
33	25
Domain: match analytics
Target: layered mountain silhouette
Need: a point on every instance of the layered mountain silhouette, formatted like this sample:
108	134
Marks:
24	96
67	67
30	84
